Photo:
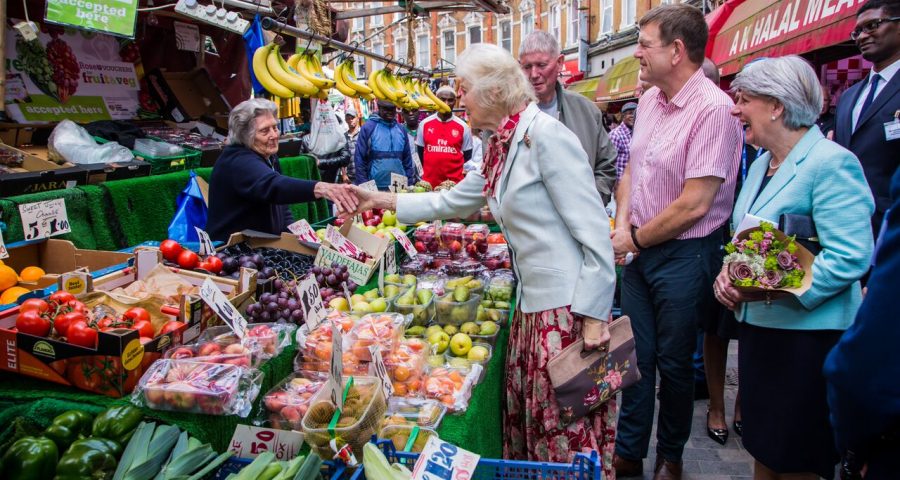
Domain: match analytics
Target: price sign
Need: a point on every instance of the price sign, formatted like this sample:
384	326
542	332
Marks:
390	259
341	243
217	300
444	461
249	442
404	242
398	182
370	185
381	371
3	252
311	301
337	368
44	219
304	231
206	245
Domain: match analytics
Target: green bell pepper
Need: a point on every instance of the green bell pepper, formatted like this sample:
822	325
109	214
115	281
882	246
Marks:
117	423
68	427
30	458
91	458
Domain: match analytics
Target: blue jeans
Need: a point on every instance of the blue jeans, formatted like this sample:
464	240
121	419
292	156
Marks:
664	291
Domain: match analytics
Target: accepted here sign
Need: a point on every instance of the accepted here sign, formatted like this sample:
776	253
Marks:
113	16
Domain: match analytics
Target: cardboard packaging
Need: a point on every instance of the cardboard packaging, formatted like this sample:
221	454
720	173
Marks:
100	172
188	96
360	272
38	175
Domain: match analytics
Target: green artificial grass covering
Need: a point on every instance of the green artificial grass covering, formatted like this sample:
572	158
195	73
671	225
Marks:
304	167
82	234
107	231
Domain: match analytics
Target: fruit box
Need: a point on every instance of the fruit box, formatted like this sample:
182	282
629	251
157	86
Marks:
112	369
285	241
38	175
193	310
359	272
197	387
187	95
56	257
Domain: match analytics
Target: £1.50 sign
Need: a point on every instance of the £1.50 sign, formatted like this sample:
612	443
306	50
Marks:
444	461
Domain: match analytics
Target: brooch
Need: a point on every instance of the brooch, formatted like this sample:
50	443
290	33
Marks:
527	140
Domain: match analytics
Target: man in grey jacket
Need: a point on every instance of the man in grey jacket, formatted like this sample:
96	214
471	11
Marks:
541	61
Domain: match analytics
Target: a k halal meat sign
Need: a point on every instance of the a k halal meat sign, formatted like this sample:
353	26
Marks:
779	22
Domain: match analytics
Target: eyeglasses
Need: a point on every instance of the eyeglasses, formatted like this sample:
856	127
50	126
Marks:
870	27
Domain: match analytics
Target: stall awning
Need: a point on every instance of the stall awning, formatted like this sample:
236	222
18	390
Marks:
619	82
588	87
774	28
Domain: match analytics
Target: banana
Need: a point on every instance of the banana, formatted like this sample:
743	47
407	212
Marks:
316	68
279	70
350	79
387	86
302	63
442	107
339	83
261	71
376	87
417	96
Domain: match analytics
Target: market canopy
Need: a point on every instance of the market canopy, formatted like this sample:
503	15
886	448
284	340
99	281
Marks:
774	28
588	87
619	82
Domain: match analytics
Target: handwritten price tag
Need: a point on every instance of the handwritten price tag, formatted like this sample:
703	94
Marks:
3	252
381	371
337	368
311	300
44	219
341	243
302	229
390	260
217	300
370	185
444	461
398	182
404	242
249	442
206	245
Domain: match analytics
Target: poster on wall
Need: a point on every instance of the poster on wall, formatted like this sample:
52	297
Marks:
70	74
112	16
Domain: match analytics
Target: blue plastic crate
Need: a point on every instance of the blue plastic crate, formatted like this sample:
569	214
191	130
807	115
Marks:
584	467
330	470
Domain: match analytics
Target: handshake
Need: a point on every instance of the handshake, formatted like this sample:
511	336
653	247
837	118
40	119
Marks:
352	200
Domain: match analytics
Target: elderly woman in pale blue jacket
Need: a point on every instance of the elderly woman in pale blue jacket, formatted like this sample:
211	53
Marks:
784	338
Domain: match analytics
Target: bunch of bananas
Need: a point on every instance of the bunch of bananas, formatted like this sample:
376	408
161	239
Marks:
406	92
346	83
301	75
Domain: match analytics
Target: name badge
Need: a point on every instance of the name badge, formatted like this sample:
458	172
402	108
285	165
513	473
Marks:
892	130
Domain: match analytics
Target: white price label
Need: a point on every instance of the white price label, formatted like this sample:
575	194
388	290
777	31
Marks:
390	260
3	252
381	371
44	219
249	441
370	185
217	300
311	301
206	245
337	368
404	242
398	182
440	460
341	243
302	229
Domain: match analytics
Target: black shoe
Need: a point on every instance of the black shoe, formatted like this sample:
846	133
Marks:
701	391
719	435
738	427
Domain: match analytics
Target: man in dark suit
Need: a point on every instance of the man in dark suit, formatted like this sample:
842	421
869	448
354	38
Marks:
867	110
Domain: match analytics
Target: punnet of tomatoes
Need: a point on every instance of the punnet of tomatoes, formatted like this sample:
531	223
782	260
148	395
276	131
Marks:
221	264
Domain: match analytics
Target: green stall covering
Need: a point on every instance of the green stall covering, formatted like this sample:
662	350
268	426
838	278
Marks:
305	167
107	230
82	234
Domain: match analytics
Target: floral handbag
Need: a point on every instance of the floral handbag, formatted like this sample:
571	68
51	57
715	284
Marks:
584	380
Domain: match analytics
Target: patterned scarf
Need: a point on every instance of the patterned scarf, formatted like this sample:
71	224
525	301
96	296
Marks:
497	150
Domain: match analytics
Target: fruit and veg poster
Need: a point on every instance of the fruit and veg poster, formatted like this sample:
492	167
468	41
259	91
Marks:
116	17
70	74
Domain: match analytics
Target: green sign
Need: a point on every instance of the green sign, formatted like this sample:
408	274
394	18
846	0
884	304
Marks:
113	16
43	108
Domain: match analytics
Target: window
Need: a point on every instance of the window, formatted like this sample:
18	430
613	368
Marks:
423	56
360	65
379	49
475	34
505	28
400	46
527	24
629	12
573	22
607	25
358	25
377	20
449	39
554	21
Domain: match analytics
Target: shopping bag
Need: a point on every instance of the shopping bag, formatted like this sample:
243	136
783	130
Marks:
190	212
325	134
253	39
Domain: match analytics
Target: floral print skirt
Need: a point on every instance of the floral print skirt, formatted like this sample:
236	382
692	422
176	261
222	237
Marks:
532	428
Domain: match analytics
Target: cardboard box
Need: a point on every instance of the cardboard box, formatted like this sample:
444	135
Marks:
100	172
56	257
188	96
39	175
285	241
360	272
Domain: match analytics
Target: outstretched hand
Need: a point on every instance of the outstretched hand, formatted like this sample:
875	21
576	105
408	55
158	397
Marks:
343	196
366	200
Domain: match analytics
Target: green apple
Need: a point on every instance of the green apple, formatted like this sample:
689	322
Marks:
402	227
371	294
469	328
389	218
435	360
478	353
460	344
440	340
378	305
432	329
488	328
339	303
450	329
320	233
409	279
392	278
371	229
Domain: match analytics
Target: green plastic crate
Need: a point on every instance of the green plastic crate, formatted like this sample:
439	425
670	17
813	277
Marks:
187	160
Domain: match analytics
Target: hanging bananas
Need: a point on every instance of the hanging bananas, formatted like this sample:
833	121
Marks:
286	76
346	82
261	71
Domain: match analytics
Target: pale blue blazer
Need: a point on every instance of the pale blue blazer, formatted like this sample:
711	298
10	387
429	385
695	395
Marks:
821	179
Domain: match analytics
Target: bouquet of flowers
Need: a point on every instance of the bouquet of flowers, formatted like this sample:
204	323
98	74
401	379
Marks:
765	259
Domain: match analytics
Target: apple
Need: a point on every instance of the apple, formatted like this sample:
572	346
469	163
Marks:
488	328
182	352
420	246
340	304
472	250
378	305
389	218
455	246
478	353
209	349
460	344
371	229
433	329
469	328
367	215
276	401
235	348
440	340
155	396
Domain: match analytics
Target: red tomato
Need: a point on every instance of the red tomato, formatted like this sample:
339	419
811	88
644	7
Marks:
76	306
213	264
62	322
170	250
82	335
107	323
33	323
135	314
61	297
171	327
144	328
188	260
34	304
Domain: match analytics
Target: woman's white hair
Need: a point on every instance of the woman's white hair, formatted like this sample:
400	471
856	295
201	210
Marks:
790	81
495	79
242	120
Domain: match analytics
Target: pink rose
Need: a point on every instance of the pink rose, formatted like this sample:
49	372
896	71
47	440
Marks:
739	271
613	378
772	278
785	260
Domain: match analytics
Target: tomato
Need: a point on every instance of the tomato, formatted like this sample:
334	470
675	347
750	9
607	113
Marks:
34	304
188	260
33	323
61	297
213	264
76	306
170	250
62	321
81	334
171	327
107	323
144	328
135	314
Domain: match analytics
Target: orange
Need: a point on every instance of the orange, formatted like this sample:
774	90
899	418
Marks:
8	277
11	294
401	374
31	274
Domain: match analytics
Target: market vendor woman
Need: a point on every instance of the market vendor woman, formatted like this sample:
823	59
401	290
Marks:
247	189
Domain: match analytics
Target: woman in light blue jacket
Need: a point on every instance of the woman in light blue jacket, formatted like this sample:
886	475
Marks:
784	338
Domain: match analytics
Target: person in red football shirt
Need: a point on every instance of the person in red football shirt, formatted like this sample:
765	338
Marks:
444	143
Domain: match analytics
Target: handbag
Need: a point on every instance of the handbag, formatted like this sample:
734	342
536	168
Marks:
584	380
803	228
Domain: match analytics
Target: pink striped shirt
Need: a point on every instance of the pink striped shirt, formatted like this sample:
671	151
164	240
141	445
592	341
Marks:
691	136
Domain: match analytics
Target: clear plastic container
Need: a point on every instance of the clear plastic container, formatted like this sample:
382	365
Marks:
451	386
286	403
418	265
473	282
501	286
433	280
265	340
360	419
425	239
400	435
424	412
316	345
485	352
383	329
421	313
406	365
476	240
456	313
453	232
212	352
194	387
497	257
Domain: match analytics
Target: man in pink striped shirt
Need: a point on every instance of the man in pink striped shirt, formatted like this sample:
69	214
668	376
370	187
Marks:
674	200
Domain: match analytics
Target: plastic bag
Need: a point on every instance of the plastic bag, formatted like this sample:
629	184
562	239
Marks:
287	402
190	212
325	135
72	143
